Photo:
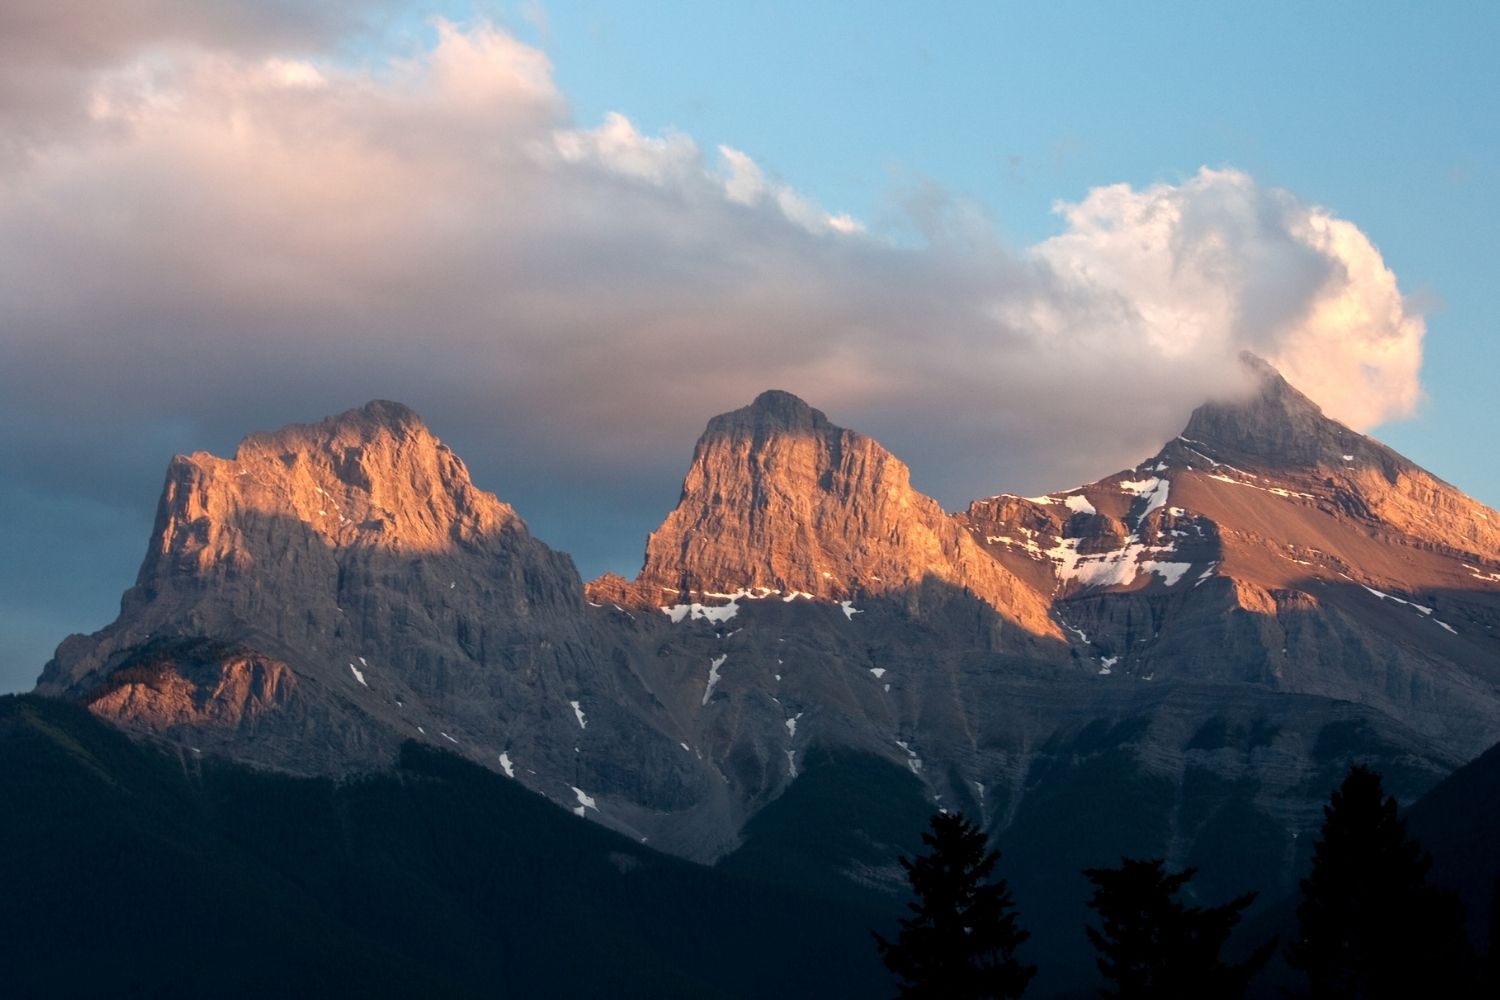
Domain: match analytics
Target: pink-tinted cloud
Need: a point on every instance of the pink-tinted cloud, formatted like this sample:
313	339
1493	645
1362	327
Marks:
219	230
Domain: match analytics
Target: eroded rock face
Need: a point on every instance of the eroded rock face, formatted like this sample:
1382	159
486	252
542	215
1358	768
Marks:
337	587
1271	545
778	498
176	686
337	536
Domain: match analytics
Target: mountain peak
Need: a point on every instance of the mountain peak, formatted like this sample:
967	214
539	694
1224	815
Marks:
772	411
1273	425
779	497
385	411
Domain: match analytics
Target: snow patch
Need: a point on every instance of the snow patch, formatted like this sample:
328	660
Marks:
358	674
1155	491
1399	600
1420	609
1274	490
879	672
713	676
791	726
702	612
912	760
578	712
1082	635
1484	577
1079	504
448	738
850	610
1108	665
507	766
585	800
1170	572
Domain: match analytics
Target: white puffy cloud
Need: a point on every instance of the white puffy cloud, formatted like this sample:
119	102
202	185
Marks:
1218	261
237	236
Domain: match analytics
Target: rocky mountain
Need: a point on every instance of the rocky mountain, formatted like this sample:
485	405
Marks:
1195	648
1271	545
336	588
778	500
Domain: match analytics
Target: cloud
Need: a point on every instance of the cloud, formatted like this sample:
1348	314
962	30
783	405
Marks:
51	50
1219	261
236	232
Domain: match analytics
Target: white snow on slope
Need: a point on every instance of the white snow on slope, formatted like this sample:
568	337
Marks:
507	766
578	711
1484	577
1274	490
358	675
585	802
1079	504
713	676
1421	609
1155	491
850	610
704	612
1170	572
1117	568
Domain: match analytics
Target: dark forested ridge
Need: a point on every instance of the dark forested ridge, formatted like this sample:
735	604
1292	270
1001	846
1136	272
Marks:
133	870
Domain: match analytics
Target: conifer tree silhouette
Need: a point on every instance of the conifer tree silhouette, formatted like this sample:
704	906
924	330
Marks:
960	942
1370	926
1153	947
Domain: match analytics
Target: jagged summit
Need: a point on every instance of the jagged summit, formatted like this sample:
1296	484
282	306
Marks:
1275	425
315	533
772	410
341	586
780	497
378	418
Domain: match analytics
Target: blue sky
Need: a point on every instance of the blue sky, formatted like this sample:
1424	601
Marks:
222	218
1383	112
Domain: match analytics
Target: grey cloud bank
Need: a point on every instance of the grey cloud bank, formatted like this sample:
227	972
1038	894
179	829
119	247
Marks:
210	237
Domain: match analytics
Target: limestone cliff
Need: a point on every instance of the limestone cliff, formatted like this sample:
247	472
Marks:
778	498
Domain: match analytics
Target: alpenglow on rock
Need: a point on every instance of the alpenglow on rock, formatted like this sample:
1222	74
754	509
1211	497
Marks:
780	499
1266	599
335	588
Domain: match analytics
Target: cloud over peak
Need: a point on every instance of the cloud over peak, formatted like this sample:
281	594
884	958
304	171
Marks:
1218	261
237	236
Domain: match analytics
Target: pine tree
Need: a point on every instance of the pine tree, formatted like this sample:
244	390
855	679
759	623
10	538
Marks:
1153	947
1370	927
960	942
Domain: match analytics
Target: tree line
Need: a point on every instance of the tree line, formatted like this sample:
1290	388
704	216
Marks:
1369	925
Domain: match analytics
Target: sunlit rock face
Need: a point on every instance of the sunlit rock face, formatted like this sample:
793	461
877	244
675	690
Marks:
780	499
334	536
335	588
1271	545
1268	597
